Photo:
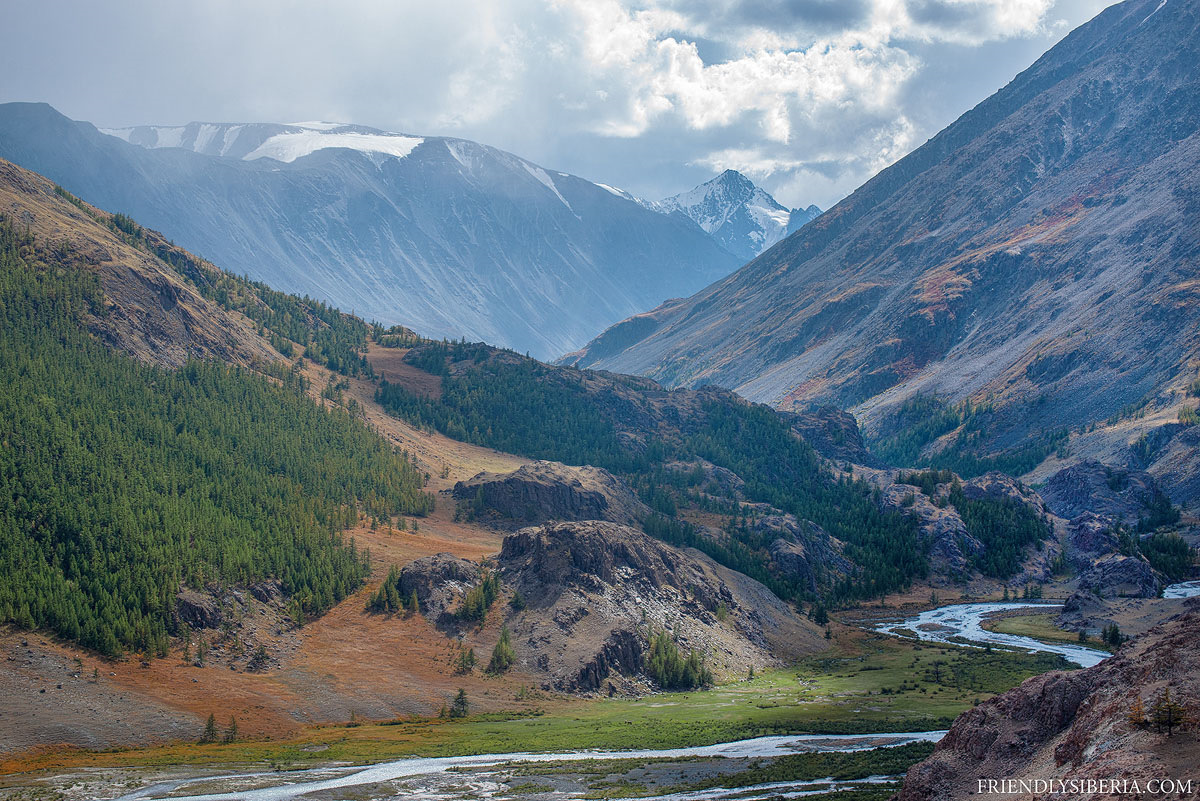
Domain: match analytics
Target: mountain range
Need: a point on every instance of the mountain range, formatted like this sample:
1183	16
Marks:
1035	261
447	236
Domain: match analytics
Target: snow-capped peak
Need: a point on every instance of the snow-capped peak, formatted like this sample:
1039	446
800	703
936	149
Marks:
744	218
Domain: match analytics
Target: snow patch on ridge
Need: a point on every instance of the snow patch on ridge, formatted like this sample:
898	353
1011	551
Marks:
288	147
540	174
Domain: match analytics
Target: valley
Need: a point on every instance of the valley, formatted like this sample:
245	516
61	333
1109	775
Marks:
905	502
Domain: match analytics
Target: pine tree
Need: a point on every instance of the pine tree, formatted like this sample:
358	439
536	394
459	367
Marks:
1137	712
460	707
231	731
1166	713
210	730
502	655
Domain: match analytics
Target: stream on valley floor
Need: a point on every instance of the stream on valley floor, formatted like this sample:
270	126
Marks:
958	622
493	775
1184	589
486	775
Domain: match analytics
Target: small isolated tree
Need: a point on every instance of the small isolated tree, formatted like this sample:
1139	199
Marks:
517	602
231	731
1166	714
413	605
465	661
1137	712
502	655
260	660
460	707
210	730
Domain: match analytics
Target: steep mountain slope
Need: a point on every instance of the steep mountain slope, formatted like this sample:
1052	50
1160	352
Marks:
1071	730
743	218
449	237
200	497
1038	254
126	481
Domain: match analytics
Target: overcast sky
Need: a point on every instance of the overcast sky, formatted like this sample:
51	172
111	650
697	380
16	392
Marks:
808	97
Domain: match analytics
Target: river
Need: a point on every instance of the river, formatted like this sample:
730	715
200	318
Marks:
374	780
1184	589
951	624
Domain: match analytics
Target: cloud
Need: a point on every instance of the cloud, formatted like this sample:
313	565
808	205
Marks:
648	94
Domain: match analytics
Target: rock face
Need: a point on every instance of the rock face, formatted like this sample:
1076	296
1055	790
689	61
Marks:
446	236
804	552
197	609
439	581
1074	725
595	591
1039	250
1090	537
833	433
1090	487
541	491
951	547
1117	575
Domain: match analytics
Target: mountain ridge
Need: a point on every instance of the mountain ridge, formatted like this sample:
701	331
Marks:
999	263
453	239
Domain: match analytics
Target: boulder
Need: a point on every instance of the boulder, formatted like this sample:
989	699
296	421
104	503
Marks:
198	610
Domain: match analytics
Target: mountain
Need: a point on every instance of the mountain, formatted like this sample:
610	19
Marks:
1037	257
449	237
1071	730
197	474
743	218
156	438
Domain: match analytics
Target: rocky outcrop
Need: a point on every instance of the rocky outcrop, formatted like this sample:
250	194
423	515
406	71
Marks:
710	478
951	547
1090	536
1118	495
1074	725
595	591
804	552
197	609
439	581
542	491
996	486
832	433
1118	575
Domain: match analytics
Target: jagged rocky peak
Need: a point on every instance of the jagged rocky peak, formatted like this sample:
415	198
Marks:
741	216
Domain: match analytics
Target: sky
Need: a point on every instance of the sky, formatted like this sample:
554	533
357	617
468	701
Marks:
809	98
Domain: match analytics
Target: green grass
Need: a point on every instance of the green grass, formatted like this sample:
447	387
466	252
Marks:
1041	627
868	683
